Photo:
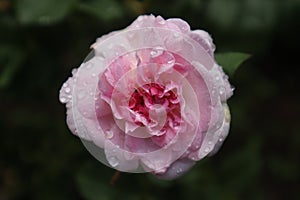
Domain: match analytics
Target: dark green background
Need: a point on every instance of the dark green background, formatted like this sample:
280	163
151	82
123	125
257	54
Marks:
42	40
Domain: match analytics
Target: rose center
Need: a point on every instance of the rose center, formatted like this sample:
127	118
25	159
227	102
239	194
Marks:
153	104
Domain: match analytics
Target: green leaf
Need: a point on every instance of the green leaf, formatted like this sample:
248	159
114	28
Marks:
231	61
105	10
42	11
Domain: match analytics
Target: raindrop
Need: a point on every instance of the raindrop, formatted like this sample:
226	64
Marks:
176	34
179	170
70	96
206	150
161	21
113	161
63	100
217	78
210	143
74	71
89	66
109	134
213	91
128	155
67	90
183	28
221	140
222	91
65	85
157	51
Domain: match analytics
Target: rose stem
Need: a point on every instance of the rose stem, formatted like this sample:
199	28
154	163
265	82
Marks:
115	178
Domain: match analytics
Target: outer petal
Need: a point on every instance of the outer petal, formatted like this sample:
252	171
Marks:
204	39
223	131
177	169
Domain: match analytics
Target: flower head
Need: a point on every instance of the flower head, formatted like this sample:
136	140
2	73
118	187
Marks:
151	99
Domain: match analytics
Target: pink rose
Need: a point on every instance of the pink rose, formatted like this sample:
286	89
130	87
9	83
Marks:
151	99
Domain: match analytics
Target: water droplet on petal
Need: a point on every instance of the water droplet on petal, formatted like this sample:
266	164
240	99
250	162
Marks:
89	65
113	161
109	134
183	28
74	71
128	155
210	143
222	92
221	140
157	51
67	90
193	158
206	150
63	100
65	85
179	170
161	22
176	34
170	61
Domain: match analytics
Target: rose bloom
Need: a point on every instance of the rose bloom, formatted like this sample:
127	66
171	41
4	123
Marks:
150	98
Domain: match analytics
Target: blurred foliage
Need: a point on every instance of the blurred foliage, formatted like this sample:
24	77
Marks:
230	61
42	40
